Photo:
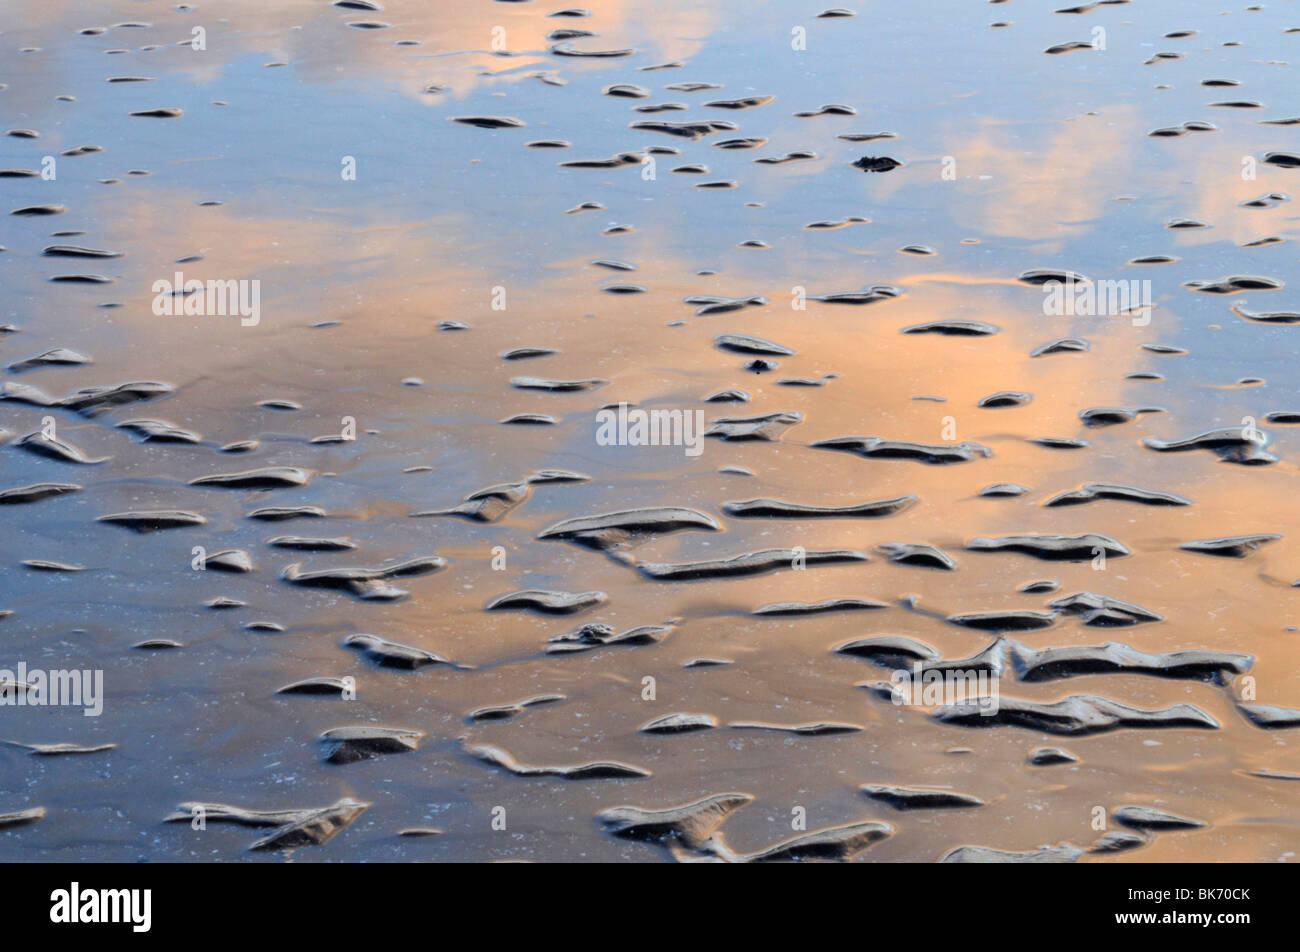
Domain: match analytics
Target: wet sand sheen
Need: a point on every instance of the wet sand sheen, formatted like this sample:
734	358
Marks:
371	555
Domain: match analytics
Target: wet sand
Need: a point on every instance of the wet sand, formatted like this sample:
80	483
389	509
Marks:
838	242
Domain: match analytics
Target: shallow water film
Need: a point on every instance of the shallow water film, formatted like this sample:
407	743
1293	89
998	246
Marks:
645	432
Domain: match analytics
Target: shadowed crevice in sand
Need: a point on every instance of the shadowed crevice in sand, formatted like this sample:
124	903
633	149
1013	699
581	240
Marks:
309	826
1074	716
